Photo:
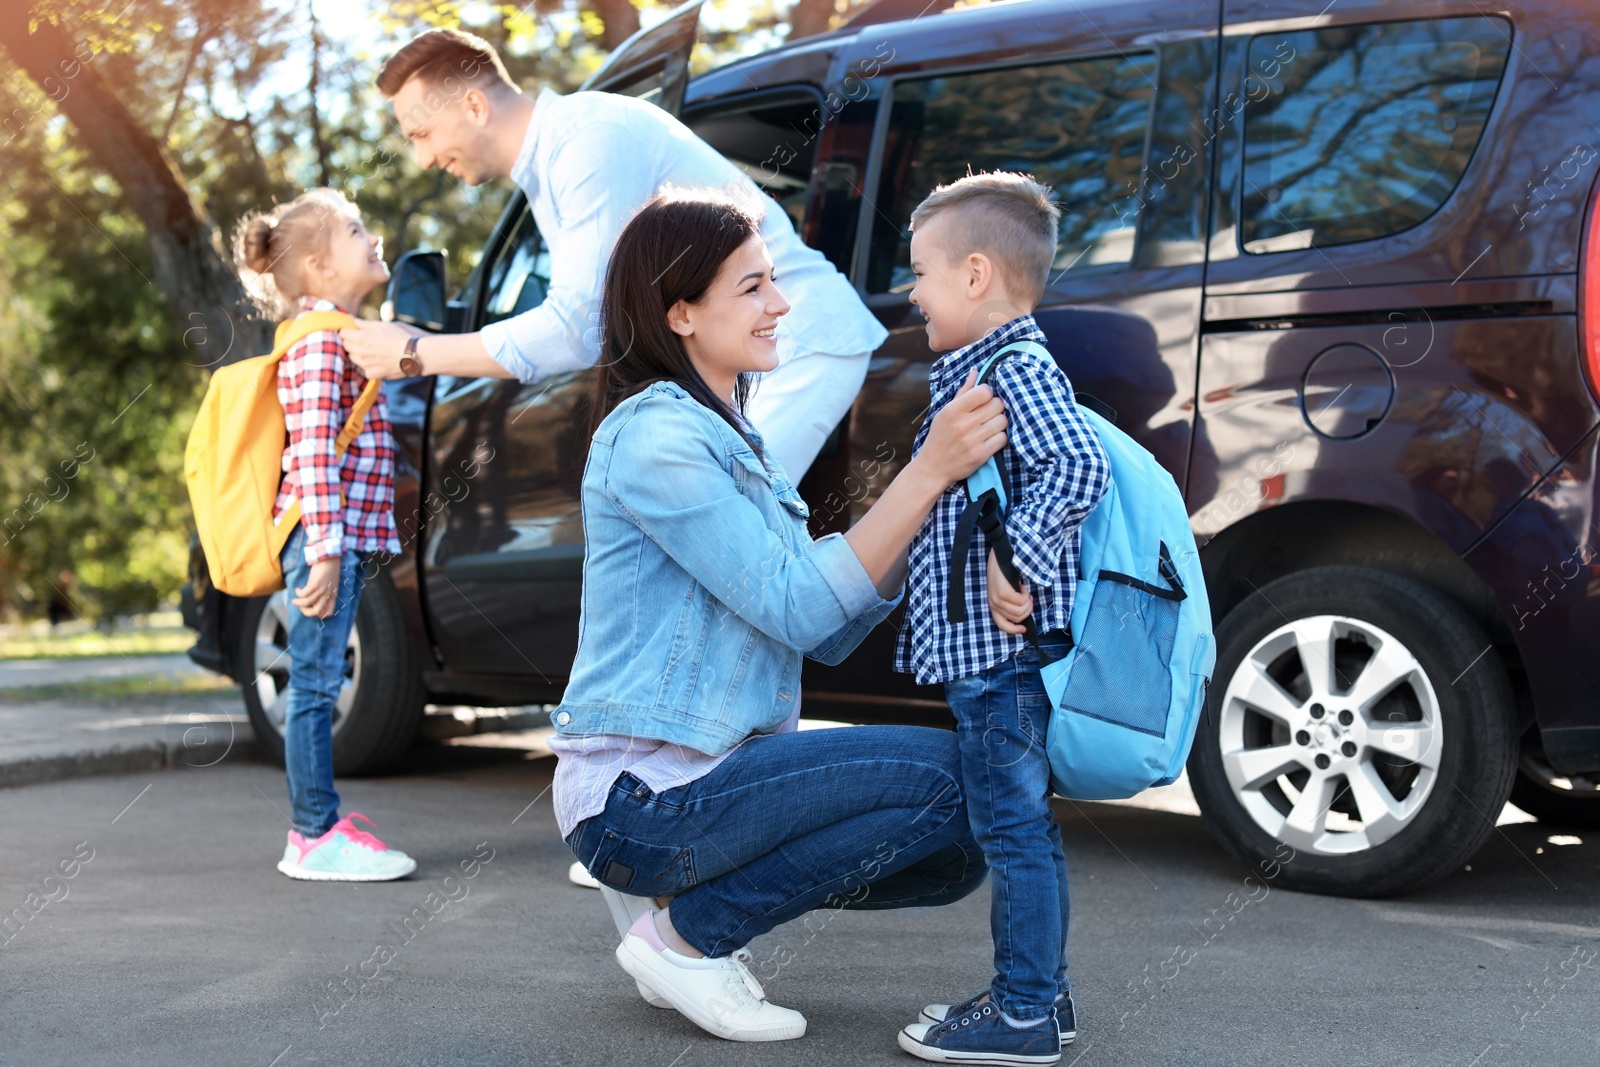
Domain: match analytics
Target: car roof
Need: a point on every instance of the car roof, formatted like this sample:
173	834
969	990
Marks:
913	22
808	59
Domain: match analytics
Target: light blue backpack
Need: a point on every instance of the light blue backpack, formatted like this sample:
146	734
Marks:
1128	695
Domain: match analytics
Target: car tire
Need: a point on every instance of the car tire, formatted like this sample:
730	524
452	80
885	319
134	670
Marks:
1400	778
1554	798
381	707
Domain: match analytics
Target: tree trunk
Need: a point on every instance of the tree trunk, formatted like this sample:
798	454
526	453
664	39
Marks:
809	17
202	34
402	227
320	143
620	17
203	293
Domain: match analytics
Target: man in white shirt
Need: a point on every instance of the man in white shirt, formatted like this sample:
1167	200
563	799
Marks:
587	162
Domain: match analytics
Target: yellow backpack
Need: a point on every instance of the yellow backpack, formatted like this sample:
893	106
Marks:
234	463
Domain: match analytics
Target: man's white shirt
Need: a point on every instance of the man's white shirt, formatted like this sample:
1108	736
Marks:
589	161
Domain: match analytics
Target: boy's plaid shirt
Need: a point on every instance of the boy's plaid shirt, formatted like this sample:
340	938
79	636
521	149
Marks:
1056	472
318	388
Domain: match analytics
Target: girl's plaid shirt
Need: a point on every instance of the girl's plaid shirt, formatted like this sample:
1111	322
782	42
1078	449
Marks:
318	388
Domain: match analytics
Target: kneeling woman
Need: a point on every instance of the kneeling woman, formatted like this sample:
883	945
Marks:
681	776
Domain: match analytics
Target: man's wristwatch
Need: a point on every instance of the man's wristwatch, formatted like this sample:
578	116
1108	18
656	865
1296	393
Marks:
410	365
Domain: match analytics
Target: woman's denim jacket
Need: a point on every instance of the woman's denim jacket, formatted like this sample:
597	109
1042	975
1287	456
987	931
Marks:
701	585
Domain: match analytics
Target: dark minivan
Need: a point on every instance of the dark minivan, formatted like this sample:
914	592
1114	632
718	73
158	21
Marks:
1339	271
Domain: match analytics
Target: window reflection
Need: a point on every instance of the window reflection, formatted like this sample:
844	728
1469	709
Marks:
1364	131
1079	126
520	277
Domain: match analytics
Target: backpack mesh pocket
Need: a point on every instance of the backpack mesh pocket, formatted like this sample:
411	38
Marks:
1122	674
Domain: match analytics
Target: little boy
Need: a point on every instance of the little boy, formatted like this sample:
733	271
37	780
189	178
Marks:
981	249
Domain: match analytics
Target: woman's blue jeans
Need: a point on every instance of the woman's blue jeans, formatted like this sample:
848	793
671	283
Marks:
860	817
316	673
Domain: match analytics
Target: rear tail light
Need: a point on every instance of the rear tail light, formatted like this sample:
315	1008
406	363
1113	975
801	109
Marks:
1589	294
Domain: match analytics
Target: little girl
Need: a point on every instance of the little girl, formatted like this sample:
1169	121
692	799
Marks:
314	254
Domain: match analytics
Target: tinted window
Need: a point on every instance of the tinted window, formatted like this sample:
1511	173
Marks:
773	142
519	277
1078	126
1363	131
834	228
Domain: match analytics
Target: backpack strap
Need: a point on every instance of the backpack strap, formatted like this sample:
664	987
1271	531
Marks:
988	514
302	326
358	416
1169	573
292	331
986	510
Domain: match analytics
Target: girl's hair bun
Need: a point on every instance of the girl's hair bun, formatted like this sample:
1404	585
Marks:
256	243
271	247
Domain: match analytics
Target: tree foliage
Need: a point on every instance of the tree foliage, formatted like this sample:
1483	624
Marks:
133	137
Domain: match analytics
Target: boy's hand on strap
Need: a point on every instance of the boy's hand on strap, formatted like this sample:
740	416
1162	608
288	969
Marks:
1008	607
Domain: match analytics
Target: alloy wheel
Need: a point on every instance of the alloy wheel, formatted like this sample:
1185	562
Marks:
1330	734
270	671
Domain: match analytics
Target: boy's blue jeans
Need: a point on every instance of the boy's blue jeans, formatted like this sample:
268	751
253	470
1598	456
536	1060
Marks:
1001	718
316	672
861	817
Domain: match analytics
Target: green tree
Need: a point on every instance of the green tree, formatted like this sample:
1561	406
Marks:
133	137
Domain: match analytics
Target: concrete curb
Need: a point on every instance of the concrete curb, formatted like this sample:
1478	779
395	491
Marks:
198	745
126	759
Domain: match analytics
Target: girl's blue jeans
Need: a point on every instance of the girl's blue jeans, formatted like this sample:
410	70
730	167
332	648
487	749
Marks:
860	817
1001	718
316	673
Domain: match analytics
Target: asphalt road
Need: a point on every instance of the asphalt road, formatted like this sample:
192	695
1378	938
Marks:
176	942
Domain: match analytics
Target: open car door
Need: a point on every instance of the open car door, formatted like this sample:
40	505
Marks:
653	64
502	562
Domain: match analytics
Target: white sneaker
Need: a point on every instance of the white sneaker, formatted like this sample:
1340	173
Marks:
625	908
720	996
625	911
578	874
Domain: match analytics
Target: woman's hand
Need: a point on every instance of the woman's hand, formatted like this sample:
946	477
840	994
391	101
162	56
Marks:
1008	607
965	432
319	597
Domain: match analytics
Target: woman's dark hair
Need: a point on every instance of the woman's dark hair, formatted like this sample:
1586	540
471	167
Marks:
671	250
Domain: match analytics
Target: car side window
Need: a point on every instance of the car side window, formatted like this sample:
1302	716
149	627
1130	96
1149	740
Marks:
1079	126
1363	131
772	140
519	277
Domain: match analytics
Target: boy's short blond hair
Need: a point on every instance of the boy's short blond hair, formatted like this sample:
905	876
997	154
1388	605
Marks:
1008	217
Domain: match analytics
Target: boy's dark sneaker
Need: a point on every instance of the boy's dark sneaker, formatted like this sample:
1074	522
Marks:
981	1036
1066	1017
